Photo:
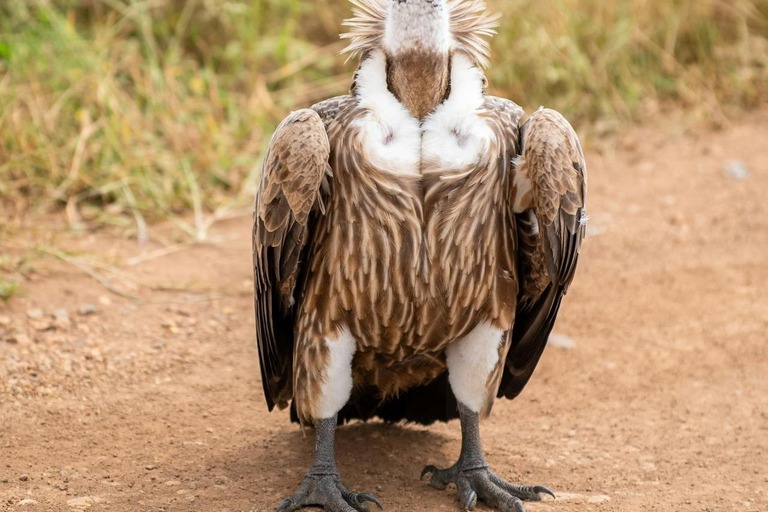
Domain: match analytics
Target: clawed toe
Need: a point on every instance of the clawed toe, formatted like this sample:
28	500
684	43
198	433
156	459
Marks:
428	470
440	477
466	495
359	500
523	492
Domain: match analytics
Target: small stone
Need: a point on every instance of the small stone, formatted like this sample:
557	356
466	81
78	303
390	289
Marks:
594	230
35	314
150	467
19	338
88	310
737	170
84	502
562	341
5	321
105	301
583	498
172	483
61	319
41	324
649	467
27	502
24	478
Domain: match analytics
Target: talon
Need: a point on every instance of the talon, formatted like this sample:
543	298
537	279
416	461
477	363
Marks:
519	506
361	498
540	489
427	470
470	501
285	504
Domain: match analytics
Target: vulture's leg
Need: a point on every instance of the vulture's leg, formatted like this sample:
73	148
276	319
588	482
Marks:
322	486
473	365
473	478
332	378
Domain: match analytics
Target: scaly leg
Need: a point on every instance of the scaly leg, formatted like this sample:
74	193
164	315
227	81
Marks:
472	364
322	486
473	478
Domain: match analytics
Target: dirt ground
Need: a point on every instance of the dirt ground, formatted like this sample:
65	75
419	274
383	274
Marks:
656	397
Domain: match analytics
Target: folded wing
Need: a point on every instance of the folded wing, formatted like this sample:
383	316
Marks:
294	184
550	188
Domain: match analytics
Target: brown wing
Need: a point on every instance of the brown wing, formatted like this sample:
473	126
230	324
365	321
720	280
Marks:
551	182
293	182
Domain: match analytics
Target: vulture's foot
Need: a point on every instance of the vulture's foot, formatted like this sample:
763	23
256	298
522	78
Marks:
473	479
328	492
483	484
322	486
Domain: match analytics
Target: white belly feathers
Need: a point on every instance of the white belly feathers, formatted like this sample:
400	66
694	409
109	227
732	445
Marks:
454	136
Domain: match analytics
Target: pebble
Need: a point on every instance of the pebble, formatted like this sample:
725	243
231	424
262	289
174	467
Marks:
19	338
594	498
594	230
61	319
5	321
88	309
27	502
562	341
24	478
84	502
150	467
737	170
35	314
41	324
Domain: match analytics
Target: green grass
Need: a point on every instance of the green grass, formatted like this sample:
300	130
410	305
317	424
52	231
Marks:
123	112
7	289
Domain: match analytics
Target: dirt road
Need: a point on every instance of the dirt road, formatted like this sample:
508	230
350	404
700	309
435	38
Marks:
661	404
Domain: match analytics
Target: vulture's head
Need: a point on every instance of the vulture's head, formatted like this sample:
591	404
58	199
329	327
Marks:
418	38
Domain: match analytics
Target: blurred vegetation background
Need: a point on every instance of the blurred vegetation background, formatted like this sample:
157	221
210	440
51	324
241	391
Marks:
124	112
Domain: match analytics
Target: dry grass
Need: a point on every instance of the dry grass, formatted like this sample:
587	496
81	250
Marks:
121	112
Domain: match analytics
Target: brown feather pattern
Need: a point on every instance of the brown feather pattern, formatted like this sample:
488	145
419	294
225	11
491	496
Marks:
409	263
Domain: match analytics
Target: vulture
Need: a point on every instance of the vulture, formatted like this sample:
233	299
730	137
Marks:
412	243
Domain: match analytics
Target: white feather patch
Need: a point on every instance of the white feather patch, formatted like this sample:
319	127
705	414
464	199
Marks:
337	385
470	361
455	136
391	137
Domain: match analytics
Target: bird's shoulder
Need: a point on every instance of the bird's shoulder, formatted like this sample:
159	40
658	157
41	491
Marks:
506	111
335	109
